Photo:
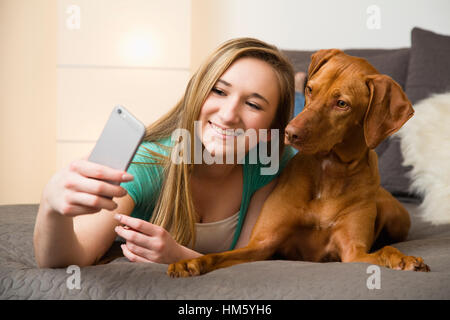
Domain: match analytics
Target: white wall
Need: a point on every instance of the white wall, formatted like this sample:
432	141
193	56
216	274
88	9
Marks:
314	24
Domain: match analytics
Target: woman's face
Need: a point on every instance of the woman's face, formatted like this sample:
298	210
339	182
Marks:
245	97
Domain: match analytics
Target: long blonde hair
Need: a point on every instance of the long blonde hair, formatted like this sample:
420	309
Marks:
174	209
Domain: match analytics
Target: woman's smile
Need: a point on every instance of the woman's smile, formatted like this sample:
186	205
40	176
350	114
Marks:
225	133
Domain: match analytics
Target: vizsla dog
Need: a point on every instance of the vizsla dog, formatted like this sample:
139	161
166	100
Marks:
328	204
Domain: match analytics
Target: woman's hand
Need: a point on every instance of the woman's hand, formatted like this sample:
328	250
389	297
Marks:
147	242
80	188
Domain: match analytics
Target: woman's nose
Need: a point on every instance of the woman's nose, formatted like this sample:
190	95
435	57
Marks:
229	111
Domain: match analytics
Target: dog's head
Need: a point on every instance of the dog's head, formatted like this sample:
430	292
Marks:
346	96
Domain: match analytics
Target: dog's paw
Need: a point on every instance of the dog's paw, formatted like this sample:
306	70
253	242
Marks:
412	263
185	268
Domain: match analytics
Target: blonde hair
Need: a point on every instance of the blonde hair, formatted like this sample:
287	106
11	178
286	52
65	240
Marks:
174	209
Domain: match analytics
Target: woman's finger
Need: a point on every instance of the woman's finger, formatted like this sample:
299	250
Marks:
131	256
98	171
72	210
90	200
80	183
142	252
135	237
140	225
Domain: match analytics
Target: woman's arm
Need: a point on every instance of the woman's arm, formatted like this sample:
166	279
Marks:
75	222
254	209
60	241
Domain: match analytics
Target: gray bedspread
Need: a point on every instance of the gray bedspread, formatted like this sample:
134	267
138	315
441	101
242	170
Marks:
120	279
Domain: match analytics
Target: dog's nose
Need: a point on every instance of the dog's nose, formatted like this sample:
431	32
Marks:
291	134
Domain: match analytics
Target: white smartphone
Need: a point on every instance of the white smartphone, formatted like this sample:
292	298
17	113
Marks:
119	140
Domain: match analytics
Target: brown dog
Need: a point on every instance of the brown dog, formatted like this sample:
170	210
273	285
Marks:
328	204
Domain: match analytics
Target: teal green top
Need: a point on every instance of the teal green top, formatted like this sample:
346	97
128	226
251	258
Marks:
147	183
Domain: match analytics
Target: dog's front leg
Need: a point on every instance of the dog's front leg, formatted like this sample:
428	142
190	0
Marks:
254	251
392	258
354	237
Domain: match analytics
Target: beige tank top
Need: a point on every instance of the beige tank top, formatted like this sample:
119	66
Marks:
215	236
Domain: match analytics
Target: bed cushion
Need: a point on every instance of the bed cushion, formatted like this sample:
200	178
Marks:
429	65
120	279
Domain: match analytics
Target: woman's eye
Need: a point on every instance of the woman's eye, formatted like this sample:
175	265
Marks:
308	90
218	91
341	104
254	106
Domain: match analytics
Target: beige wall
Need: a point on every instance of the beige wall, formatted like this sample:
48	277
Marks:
205	33
27	98
60	79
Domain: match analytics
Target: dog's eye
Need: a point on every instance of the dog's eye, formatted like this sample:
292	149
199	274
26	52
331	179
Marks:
342	104
308	90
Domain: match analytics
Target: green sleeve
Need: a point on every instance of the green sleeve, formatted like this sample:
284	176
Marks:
147	183
256	177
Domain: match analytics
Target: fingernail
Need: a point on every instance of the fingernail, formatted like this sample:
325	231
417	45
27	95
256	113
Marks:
117	217
127	177
116	229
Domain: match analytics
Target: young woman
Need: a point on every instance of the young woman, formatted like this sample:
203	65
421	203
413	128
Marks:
169	211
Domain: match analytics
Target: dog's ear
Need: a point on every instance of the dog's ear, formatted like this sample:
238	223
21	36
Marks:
319	58
388	109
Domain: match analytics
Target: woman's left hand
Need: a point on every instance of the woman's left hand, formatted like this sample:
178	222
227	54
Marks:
147	242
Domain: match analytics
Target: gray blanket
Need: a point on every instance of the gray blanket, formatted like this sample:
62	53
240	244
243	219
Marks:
120	279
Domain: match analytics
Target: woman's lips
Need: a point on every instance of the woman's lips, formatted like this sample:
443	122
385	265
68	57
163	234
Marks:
225	133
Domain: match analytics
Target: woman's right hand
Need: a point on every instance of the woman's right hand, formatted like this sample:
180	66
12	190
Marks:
78	189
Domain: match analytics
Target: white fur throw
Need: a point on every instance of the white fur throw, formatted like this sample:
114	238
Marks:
425	144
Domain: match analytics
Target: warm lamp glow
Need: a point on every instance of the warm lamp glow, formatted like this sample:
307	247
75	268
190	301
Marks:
138	49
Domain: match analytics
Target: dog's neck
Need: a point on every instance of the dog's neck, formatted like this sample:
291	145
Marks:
349	153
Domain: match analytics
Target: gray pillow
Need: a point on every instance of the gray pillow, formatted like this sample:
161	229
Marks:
428	73
393	62
394	177
429	65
